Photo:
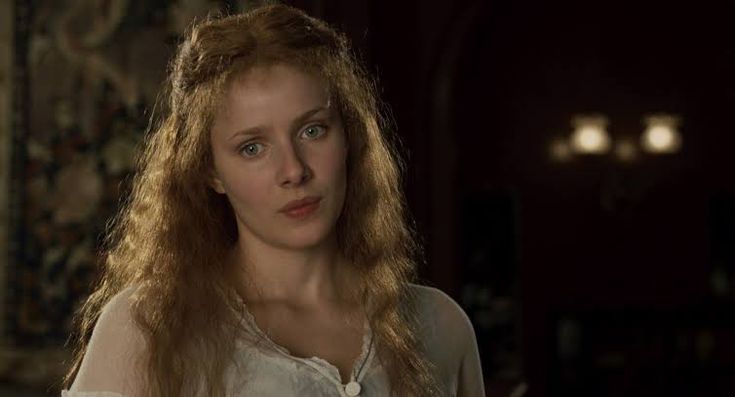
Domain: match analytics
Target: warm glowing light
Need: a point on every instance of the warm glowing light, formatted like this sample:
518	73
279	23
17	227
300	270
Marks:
661	135
560	151
626	151
590	136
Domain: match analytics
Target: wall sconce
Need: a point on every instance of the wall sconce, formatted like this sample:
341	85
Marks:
590	134
590	137
620	185
661	135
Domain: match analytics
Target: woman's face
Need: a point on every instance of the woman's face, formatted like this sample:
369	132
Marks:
278	138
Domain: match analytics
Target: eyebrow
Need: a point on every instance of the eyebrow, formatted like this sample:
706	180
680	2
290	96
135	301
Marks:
297	121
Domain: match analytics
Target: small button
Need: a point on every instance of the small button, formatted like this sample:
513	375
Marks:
353	389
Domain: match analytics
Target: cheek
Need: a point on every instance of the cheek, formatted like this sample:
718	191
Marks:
246	190
338	155
335	164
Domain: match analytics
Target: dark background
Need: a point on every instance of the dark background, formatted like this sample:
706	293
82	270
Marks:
618	260
590	277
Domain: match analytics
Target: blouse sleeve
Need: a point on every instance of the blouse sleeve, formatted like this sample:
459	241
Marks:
454	344
470	372
111	364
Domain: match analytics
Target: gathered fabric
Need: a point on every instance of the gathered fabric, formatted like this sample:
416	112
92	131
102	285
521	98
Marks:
263	368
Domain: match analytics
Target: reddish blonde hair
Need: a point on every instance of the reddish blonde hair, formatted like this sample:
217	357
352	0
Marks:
179	275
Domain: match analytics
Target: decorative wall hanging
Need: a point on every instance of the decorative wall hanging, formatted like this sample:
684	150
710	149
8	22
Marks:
85	76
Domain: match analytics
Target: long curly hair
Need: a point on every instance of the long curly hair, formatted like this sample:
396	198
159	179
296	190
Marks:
172	236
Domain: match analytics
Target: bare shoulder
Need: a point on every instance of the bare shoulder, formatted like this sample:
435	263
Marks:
112	359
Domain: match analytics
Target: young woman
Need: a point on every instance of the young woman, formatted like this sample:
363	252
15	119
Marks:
264	250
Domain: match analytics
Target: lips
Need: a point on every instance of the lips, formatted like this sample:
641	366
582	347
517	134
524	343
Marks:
296	204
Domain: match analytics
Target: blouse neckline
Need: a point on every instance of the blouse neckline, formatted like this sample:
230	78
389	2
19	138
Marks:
359	366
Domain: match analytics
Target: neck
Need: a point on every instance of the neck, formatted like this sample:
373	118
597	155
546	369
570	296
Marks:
304	277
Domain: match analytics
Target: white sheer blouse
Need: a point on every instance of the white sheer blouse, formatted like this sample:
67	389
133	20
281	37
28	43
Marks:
267	369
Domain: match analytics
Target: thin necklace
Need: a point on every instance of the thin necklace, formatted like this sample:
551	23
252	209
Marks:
353	387
364	360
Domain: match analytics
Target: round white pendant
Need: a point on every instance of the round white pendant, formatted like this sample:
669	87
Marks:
353	389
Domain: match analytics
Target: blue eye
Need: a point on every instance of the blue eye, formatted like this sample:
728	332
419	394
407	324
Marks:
250	149
314	131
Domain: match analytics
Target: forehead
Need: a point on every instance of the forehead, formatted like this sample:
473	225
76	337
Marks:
280	85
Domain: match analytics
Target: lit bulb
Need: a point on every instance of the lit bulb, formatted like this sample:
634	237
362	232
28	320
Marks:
661	135
589	135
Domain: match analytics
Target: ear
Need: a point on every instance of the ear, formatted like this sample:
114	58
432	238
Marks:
215	183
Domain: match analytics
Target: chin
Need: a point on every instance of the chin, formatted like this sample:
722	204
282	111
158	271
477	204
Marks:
306	242
307	238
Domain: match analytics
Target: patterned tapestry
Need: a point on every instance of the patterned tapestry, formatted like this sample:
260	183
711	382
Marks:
88	72
6	79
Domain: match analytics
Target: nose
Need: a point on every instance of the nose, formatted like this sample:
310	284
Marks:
294	171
